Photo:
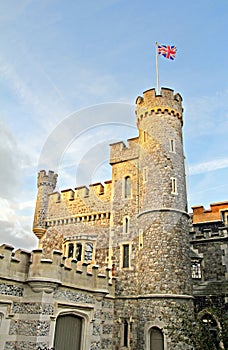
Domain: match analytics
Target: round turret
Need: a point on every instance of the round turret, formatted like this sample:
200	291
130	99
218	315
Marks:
46	183
162	217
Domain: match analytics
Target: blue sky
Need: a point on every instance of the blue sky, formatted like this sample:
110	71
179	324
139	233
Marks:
64	61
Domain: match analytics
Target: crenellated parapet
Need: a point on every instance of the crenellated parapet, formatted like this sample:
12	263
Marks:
47	179
14	265
207	234
47	274
119	152
167	102
83	204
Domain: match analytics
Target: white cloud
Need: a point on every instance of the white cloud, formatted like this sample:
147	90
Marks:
208	166
16	229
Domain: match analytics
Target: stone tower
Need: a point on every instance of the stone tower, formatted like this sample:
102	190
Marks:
46	183
154	283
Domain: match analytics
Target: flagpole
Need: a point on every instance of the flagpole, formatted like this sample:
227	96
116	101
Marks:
157	74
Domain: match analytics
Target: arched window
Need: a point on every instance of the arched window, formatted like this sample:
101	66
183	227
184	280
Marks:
127	187
156	339
68	332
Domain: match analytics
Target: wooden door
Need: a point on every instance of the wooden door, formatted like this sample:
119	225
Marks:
68	333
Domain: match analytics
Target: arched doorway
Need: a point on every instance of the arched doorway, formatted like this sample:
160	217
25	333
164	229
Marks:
156	339
68	332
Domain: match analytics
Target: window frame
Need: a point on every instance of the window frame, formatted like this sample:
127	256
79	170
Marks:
127	187
172	145
126	224
174	185
122	259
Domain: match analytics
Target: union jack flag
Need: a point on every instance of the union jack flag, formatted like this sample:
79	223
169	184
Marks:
167	51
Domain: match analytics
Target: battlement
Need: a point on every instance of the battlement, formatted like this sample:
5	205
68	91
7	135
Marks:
45	178
14	265
98	190
46	274
166	102
119	152
209	234
202	215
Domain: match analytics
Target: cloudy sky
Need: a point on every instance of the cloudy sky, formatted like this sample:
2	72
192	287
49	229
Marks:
70	72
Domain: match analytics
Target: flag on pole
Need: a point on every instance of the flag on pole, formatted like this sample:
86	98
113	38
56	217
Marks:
167	51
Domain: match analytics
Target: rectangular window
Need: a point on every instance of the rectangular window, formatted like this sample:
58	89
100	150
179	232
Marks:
79	252
126	255
144	136
196	270
127	187
140	239
173	185
70	250
172	145
145	174
88	251
125	333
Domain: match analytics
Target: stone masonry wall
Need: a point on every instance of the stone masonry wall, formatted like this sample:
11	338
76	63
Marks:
34	291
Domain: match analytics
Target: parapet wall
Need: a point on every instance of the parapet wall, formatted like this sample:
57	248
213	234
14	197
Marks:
201	215
119	152
166	102
82	203
46	274
45	178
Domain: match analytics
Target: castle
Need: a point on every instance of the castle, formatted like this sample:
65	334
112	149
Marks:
120	265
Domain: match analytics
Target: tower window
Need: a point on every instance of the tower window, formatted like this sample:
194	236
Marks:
125	333
70	250
127	187
126	257
78	252
145	174
126	223
173	185
172	145
144	136
196	270
88	251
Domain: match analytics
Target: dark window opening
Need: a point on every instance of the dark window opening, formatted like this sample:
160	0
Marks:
125	333
70	251
125	255
79	252
126	225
